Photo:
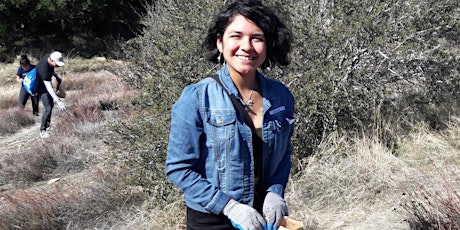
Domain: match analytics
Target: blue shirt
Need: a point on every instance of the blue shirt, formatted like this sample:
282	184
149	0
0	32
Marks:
23	72
210	147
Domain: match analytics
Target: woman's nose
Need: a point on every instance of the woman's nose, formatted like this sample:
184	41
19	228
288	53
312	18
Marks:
246	44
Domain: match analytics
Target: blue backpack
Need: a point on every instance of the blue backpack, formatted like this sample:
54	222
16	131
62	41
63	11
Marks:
30	82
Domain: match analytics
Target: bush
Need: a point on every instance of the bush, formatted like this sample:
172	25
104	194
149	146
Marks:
160	67
353	60
433	207
11	120
87	27
352	64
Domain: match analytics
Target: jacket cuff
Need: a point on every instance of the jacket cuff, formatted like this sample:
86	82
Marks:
277	188
217	204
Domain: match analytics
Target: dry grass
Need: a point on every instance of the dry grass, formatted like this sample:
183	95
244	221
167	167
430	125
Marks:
431	191
76	153
9	102
433	202
29	165
342	185
358	183
96	64
8	73
12	120
350	183
69	201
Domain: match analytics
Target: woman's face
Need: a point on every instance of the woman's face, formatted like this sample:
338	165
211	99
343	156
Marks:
26	66
243	46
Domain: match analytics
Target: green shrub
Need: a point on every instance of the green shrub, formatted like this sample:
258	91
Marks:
163	61
353	64
355	60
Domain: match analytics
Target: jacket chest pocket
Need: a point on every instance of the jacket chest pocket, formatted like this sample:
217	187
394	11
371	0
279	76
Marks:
220	131
279	131
221	125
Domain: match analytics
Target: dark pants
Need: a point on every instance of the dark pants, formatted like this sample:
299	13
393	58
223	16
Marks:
207	221
24	96
48	103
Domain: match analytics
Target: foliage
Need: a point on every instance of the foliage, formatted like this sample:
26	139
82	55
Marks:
160	67
87	26
352	64
355	58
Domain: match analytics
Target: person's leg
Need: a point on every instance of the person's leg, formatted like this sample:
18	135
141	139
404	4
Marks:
48	104
34	100
23	97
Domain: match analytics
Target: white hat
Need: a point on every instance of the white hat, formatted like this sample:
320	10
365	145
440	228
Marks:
57	58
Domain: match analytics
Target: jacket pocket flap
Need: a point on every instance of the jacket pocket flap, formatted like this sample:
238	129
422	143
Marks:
221	119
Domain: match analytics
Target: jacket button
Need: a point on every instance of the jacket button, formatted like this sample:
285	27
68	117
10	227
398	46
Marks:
219	121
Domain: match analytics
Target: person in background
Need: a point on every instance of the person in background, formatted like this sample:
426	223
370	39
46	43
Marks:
45	70
232	175
24	68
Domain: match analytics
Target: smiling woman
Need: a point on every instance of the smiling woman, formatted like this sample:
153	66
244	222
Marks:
233	164
244	50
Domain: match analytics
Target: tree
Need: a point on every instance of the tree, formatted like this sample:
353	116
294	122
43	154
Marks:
87	26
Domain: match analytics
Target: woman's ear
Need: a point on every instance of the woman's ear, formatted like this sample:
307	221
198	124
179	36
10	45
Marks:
219	43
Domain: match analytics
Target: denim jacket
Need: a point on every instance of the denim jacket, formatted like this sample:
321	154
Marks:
210	147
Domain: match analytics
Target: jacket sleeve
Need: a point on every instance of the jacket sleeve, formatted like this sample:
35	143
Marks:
279	180
184	153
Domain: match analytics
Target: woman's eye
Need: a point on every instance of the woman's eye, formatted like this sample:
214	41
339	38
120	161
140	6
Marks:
260	39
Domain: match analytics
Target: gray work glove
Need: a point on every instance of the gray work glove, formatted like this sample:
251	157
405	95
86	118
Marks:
244	217
61	105
274	209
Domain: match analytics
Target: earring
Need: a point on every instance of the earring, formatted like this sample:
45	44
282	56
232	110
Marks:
269	65
220	58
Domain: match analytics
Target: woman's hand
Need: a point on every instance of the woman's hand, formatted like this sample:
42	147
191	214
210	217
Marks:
244	217
274	209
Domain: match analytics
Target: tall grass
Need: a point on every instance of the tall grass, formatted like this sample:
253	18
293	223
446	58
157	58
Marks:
358	182
8	102
69	202
347	177
431	192
28	165
87	184
433	203
14	119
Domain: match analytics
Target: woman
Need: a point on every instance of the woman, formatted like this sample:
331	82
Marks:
233	177
23	69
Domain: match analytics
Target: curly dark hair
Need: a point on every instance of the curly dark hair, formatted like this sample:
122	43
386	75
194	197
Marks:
278	36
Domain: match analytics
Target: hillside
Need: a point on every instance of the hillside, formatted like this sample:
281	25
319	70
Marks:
65	180
73	180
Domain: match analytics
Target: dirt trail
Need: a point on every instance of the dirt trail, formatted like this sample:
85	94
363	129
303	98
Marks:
16	141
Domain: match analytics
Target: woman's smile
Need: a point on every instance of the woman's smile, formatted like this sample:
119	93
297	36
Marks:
243	46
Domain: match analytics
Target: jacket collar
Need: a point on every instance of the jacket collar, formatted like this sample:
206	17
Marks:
267	89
